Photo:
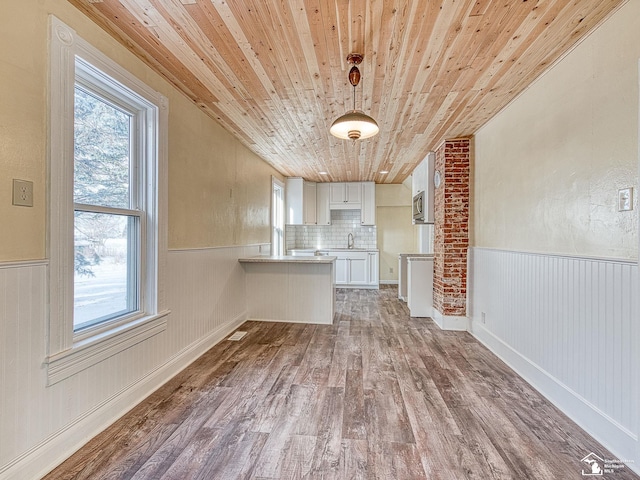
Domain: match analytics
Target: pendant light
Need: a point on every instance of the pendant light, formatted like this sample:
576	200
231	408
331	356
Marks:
354	124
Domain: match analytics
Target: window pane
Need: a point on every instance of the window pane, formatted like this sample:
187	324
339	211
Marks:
106	267
102	147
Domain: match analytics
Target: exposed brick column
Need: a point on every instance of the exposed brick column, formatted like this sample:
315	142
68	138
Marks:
451	236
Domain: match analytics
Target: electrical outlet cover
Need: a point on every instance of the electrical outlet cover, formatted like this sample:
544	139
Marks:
22	193
625	199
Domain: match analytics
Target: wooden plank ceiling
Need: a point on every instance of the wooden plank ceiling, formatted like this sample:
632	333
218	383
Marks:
274	72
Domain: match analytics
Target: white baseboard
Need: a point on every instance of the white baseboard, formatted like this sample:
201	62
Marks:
388	282
279	320
450	322
44	457
613	436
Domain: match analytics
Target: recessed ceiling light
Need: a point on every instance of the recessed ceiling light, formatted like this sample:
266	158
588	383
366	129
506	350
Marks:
384	172
323	173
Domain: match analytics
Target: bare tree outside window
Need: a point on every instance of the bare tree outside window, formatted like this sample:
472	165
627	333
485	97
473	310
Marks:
104	236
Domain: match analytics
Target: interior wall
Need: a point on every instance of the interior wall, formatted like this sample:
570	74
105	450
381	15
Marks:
549	166
219	198
554	264
23	128
219	191
396	234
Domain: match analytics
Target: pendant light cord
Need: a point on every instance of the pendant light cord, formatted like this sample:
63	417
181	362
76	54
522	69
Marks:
354	97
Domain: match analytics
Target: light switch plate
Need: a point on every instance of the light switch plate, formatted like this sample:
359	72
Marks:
22	193
625	199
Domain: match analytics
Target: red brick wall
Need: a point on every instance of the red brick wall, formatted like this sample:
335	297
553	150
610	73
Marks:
451	239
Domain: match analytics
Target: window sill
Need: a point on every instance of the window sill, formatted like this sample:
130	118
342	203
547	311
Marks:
93	350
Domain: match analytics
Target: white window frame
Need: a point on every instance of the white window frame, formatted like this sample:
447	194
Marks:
277	219
69	352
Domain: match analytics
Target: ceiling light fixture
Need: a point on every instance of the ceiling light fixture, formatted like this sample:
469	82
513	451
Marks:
354	124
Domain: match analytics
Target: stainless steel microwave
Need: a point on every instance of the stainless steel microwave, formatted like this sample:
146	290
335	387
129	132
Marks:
418	208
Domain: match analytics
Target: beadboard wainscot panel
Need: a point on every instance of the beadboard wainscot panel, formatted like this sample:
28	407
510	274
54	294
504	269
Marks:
40	426
22	344
569	326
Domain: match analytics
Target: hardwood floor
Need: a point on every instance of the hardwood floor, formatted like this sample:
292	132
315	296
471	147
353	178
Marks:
377	395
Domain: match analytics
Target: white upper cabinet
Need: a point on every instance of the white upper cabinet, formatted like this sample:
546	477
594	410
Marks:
422	176
300	202
309	190
345	195
323	211
418	178
368	204
310	203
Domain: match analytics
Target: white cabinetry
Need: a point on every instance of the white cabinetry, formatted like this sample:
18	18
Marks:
420	286
301	202
323	211
418	178
345	195
422	176
358	264
368	205
309	203
357	269
342	269
373	277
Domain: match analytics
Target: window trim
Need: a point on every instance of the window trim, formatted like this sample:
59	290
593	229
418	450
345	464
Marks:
275	182
69	353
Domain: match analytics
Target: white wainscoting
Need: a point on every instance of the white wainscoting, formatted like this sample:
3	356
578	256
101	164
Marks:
569	326
40	426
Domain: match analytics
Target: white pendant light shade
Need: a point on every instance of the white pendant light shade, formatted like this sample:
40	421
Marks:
354	125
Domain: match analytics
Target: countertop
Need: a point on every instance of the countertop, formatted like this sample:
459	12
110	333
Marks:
330	249
288	259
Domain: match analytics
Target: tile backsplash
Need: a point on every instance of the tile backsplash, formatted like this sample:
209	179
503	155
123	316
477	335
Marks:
343	222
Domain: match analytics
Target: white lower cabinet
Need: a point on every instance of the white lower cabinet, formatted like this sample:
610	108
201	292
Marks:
373	277
358	269
342	270
355	269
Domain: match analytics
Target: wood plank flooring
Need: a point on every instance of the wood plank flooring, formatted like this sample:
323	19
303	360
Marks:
377	395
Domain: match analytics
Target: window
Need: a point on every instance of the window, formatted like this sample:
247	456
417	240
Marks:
277	217
108	209
107	232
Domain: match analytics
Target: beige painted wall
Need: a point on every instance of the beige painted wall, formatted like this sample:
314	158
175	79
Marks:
396	234
548	168
205	161
219	191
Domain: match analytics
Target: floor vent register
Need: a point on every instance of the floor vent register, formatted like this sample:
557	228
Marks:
237	336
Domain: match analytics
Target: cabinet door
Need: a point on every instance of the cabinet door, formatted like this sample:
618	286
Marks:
353	193
417	178
342	274
323	211
358	270
336	193
294	200
368	207
309	203
373	268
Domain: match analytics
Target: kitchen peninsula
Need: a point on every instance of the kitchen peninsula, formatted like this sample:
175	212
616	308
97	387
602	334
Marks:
290	289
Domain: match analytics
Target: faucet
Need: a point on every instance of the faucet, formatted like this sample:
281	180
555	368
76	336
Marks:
350	241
